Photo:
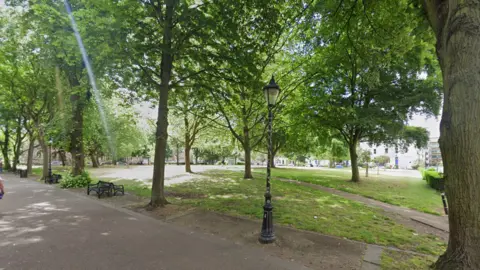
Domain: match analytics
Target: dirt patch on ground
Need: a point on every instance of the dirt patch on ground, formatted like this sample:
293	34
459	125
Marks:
139	204
313	250
168	212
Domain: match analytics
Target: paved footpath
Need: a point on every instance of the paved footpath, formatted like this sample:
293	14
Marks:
43	227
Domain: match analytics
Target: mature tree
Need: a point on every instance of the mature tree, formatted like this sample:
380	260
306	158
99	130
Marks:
363	86
248	42
53	24
456	26
157	35
189	106
27	78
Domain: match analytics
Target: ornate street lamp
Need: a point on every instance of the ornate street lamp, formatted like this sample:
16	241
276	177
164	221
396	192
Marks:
268	235
50	142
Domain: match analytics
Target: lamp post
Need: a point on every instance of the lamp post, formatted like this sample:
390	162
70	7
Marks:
50	142
267	235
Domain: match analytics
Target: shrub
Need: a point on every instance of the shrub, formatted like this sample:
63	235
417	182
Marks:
434	179
240	163
79	181
431	171
415	167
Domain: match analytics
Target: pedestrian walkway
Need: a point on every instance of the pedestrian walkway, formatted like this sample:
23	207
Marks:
43	227
436	222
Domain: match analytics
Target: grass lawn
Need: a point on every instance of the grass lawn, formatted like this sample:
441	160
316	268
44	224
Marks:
393	260
297	206
401	191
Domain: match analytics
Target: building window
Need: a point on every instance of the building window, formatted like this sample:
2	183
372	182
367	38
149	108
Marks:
386	150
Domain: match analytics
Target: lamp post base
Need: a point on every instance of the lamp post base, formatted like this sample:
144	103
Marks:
267	235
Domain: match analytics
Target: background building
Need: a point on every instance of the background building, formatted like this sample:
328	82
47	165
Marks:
406	157
434	156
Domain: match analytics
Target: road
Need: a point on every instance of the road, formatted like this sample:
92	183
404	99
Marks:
43	227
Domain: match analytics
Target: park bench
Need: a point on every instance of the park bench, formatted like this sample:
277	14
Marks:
118	188
105	188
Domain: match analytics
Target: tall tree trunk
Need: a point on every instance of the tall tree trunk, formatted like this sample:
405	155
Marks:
187	159
63	157
456	25
18	144
248	151
272	160
354	159
178	155
31	148
248	163
45	156
158	181
5	148
76	136
97	160
188	143
94	160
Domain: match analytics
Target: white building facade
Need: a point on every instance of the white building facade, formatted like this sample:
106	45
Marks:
405	158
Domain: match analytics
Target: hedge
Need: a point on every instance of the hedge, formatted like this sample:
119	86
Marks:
434	179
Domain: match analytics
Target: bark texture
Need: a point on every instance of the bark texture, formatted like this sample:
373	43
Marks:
18	143
158	181
248	163
5	148
354	160
188	167
94	161
31	148
76	136
63	157
272	160
457	27
45	157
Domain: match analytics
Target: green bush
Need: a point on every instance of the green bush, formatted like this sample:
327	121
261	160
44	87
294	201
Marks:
431	171
240	163
79	181
434	179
